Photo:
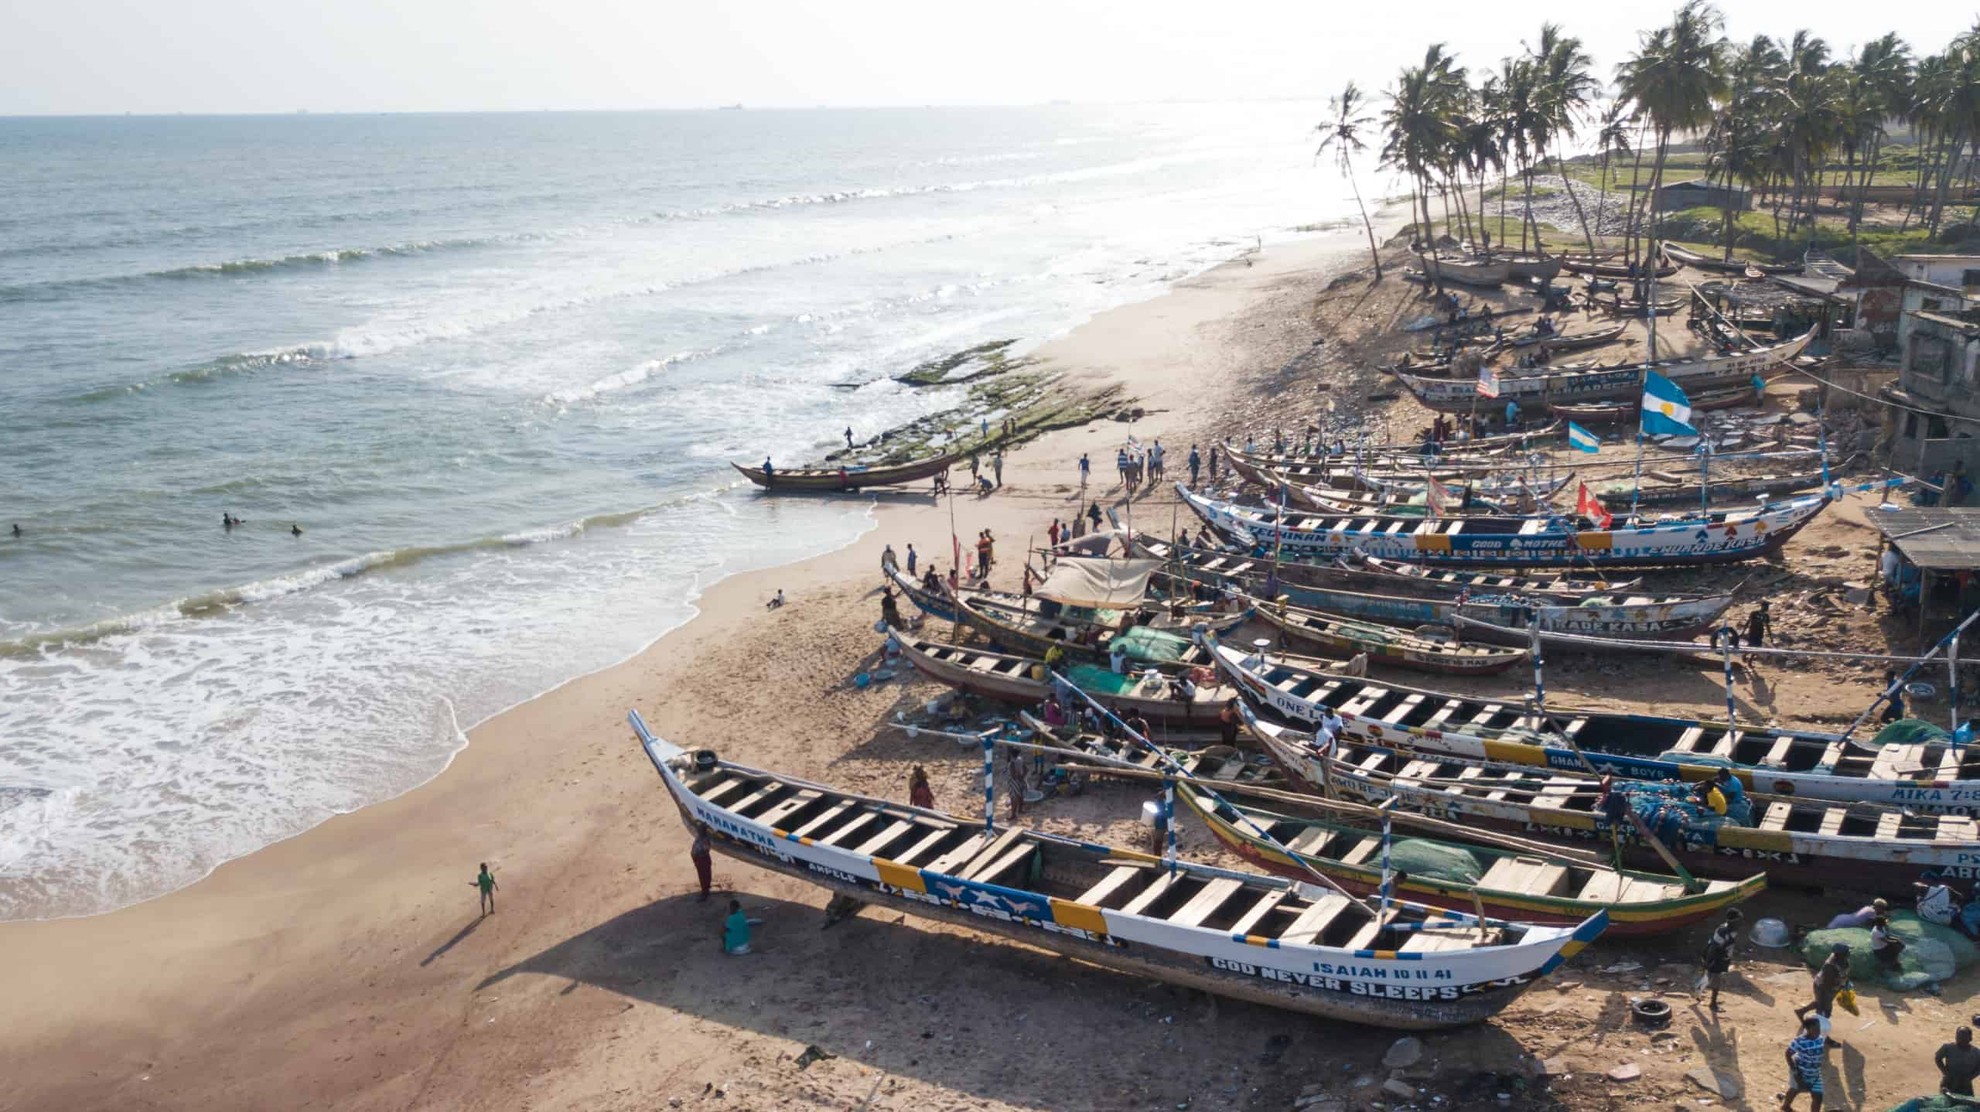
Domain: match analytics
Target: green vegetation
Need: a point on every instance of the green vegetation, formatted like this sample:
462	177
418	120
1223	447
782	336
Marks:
988	357
1878	149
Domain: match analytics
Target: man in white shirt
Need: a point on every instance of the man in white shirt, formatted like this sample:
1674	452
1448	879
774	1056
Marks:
1330	729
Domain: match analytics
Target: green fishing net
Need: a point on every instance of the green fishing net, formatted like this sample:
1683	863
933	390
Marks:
1932	953
1419	858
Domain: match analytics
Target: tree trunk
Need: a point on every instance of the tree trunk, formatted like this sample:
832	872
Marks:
1650	268
1587	229
1374	256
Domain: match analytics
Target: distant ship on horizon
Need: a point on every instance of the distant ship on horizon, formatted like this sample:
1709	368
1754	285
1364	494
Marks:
730	108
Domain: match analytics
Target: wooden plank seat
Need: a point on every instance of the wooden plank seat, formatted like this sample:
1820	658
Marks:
1150	894
1259	910
715	794
776	815
1430	942
1603	887
893	830
995	871
1687	741
859	822
1312	841
831	815
1362	851
1529	875
1778	755
1724	746
756	798
922	848
1205	903
1370	931
968	857
1111	885
1309	924
1776	816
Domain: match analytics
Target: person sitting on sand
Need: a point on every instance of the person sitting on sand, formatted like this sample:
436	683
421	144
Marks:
735	930
486	882
776	601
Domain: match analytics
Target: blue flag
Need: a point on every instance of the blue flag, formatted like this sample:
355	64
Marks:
1581	440
1666	411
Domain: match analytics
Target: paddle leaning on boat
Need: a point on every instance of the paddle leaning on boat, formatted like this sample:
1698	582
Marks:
1920	775
1243	935
1720	537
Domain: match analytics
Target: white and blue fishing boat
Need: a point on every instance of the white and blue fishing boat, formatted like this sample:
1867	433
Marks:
1720	537
1245	935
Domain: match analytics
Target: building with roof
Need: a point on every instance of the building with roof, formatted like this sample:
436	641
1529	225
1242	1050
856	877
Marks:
1699	192
1958	272
1929	557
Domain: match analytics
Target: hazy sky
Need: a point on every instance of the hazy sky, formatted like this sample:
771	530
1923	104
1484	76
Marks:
110	56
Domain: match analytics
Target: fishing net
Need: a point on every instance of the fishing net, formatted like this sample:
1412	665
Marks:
1938	1104
1932	953
1908	731
1667	809
1100	681
1435	860
1151	646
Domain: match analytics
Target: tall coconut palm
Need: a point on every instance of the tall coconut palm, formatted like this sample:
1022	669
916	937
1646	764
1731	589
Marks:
1566	87
1342	135
1420	120
1523	121
1883	72
1481	146
1612	138
1675	78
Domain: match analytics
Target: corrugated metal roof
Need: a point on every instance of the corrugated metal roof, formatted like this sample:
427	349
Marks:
1932	537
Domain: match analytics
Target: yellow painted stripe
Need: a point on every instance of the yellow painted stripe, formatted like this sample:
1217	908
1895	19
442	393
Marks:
1773	841
1595	542
1433	542
899	875
1256	940
1513	752
1078	916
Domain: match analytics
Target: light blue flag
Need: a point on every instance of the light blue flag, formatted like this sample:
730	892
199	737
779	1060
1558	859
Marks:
1581	440
1666	411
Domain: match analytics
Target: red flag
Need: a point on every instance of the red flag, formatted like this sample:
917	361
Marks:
1590	507
1439	498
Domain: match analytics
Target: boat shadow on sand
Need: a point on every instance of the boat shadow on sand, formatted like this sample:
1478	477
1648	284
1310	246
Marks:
947	1008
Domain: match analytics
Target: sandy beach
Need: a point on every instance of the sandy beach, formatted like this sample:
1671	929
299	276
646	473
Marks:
347	967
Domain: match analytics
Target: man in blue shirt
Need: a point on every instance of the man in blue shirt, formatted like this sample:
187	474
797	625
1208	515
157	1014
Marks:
1804	1059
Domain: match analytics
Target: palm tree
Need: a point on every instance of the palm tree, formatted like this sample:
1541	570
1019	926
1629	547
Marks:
1566	87
1419	122
1343	135
1524	125
1675	78
1613	138
1883	72
1481	149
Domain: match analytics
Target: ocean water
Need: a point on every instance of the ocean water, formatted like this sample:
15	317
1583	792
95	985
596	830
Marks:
494	366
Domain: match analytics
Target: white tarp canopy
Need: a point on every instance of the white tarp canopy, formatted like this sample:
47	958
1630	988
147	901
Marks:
1098	583
1095	543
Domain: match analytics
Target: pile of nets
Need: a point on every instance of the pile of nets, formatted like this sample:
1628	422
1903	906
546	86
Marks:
1932	953
1151	646
1909	731
1434	860
1669	811
1939	1104
1101	682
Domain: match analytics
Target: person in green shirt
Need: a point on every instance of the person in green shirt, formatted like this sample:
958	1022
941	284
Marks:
486	882
735	931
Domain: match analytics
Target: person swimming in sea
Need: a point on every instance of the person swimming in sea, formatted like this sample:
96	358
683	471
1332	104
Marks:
17	528
295	530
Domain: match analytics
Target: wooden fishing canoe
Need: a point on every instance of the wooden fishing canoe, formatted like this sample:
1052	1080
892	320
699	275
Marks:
1802	763
1526	886
935	604
1025	681
1616	412
849	478
1216	764
1385	644
1717	537
1605	382
1798	842
1244	935
1023	623
1726	266
1467	270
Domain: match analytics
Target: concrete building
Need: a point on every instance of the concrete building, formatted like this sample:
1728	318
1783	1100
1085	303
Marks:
1958	272
1934	422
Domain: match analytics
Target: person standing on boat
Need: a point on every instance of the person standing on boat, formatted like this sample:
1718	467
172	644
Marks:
1719	952
1329	731
919	793
704	860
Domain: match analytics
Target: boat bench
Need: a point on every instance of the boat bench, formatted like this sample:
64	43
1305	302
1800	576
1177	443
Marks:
789	807
1312	922
841	834
1110	884
1430	942
1140	904
1526	875
1259	910
1362	851
1205	903
972	855
715	794
832	814
915	852
893	831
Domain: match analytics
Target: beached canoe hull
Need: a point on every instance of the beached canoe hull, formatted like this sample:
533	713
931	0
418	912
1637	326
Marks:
823	479
1484	273
1790	844
1722	537
1021	681
935	605
1402	990
1590	384
1626	919
1801	763
1393	646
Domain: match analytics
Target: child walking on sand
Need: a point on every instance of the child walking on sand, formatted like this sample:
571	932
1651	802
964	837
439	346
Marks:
486	882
